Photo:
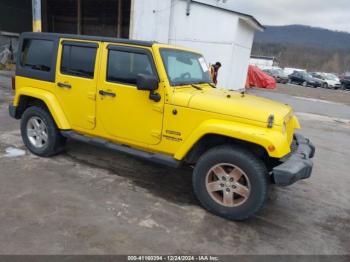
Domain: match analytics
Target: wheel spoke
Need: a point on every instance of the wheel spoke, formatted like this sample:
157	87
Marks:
42	127
44	136
31	132
228	198
39	141
235	174
219	172
214	186
241	190
36	124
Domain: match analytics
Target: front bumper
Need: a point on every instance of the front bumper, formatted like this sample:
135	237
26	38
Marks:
297	165
315	84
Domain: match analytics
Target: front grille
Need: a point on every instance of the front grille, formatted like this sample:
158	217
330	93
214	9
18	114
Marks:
293	146
290	131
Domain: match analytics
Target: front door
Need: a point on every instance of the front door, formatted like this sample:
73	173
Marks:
127	114
76	81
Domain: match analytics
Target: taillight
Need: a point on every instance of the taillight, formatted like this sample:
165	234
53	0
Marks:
14	83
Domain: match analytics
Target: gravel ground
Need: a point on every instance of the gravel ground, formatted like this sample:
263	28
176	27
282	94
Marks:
93	201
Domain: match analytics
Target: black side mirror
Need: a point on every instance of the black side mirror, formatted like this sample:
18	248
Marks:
148	83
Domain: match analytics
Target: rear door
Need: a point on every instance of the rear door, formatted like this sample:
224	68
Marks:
298	78
76	81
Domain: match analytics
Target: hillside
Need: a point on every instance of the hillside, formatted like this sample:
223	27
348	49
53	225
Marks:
304	36
314	49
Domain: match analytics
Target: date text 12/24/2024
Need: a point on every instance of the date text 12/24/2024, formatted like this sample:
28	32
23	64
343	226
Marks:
173	258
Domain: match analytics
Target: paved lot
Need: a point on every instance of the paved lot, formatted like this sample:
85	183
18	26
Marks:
338	96
92	201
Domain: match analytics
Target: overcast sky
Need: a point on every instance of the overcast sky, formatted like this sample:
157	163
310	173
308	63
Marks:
330	14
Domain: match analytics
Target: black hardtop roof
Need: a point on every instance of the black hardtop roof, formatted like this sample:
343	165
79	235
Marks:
87	37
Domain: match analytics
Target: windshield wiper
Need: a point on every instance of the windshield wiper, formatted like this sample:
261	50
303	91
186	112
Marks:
196	87
207	83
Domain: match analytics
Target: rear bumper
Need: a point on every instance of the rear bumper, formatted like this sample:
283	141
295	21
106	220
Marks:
13	111
298	165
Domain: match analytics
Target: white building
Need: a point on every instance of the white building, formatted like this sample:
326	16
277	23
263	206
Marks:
206	25
220	34
263	62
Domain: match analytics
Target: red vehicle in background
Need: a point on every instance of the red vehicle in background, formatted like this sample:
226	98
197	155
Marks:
258	78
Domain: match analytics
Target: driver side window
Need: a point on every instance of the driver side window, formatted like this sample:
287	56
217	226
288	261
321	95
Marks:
124	66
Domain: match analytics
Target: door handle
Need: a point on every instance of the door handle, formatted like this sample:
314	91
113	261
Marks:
105	93
62	85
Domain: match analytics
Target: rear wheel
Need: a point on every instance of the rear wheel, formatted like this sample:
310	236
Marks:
325	85
230	182
40	133
304	84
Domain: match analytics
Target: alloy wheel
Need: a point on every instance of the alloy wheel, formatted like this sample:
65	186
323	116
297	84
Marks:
37	132
228	185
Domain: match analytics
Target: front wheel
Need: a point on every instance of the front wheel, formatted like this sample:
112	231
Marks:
230	182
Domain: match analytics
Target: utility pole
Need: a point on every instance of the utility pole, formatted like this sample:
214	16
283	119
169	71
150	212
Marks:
120	19
79	21
36	13
188	8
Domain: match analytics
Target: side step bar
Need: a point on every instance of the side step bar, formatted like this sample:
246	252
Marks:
153	157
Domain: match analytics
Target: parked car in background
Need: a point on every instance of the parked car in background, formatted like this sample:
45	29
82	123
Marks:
305	79
328	80
289	70
278	75
345	82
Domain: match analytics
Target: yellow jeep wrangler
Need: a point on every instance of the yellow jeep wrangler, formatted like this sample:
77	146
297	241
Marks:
157	102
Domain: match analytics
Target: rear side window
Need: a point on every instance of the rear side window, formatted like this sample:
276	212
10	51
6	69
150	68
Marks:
123	67
78	61
37	54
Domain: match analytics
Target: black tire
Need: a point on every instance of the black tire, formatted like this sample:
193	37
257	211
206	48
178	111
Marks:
55	141
253	168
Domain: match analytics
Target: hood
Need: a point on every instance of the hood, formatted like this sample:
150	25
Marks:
332	82
245	107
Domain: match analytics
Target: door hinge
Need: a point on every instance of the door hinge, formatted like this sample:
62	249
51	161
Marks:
156	133
92	96
91	119
158	108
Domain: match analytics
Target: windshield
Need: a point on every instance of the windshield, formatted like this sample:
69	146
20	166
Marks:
331	77
280	72
185	68
305	75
